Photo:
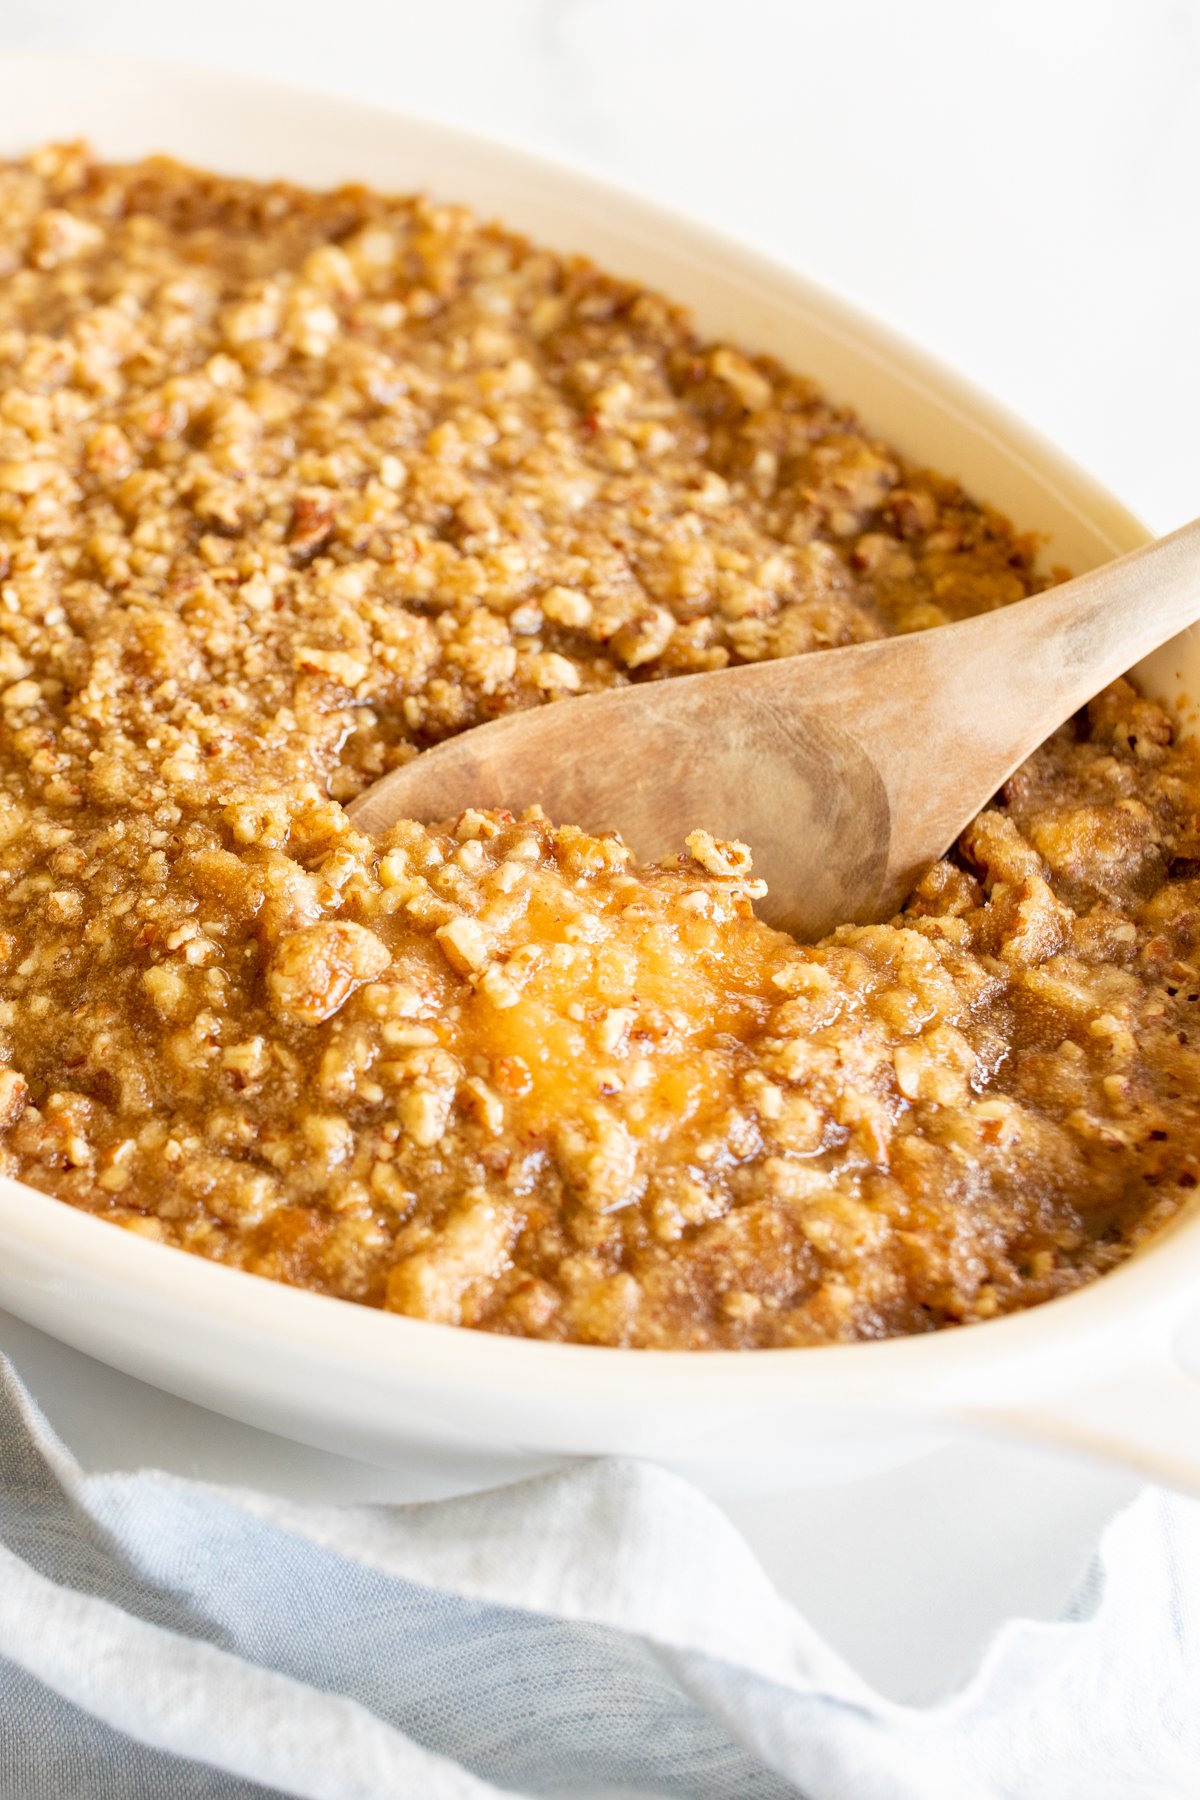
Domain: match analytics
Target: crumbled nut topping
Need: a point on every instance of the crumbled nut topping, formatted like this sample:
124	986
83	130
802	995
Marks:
293	486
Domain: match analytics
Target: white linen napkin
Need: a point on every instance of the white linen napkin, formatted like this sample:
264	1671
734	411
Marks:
599	1632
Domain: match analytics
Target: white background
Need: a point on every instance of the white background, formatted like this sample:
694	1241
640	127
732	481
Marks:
1014	185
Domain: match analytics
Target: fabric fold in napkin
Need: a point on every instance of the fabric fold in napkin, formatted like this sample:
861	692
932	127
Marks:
599	1632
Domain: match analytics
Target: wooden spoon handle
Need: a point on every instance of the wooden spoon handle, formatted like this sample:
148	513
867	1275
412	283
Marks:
954	711
1102	623
1003	681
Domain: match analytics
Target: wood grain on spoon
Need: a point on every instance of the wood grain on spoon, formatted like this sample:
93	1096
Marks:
848	772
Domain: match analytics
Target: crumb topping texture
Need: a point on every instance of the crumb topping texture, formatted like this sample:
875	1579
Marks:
293	486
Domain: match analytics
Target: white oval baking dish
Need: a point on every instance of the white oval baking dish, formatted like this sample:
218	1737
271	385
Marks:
1099	1371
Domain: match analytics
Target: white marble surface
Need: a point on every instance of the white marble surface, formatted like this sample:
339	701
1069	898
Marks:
1011	185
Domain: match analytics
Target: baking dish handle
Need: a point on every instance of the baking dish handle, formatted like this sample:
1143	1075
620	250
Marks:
1143	1413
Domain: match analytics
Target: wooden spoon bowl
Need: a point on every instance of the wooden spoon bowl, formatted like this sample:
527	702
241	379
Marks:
848	772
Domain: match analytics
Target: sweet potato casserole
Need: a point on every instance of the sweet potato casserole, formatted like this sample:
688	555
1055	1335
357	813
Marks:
294	485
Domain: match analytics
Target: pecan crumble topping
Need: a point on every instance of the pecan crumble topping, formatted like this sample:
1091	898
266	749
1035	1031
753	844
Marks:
294	485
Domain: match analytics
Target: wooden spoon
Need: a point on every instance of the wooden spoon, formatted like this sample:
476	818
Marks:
848	772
